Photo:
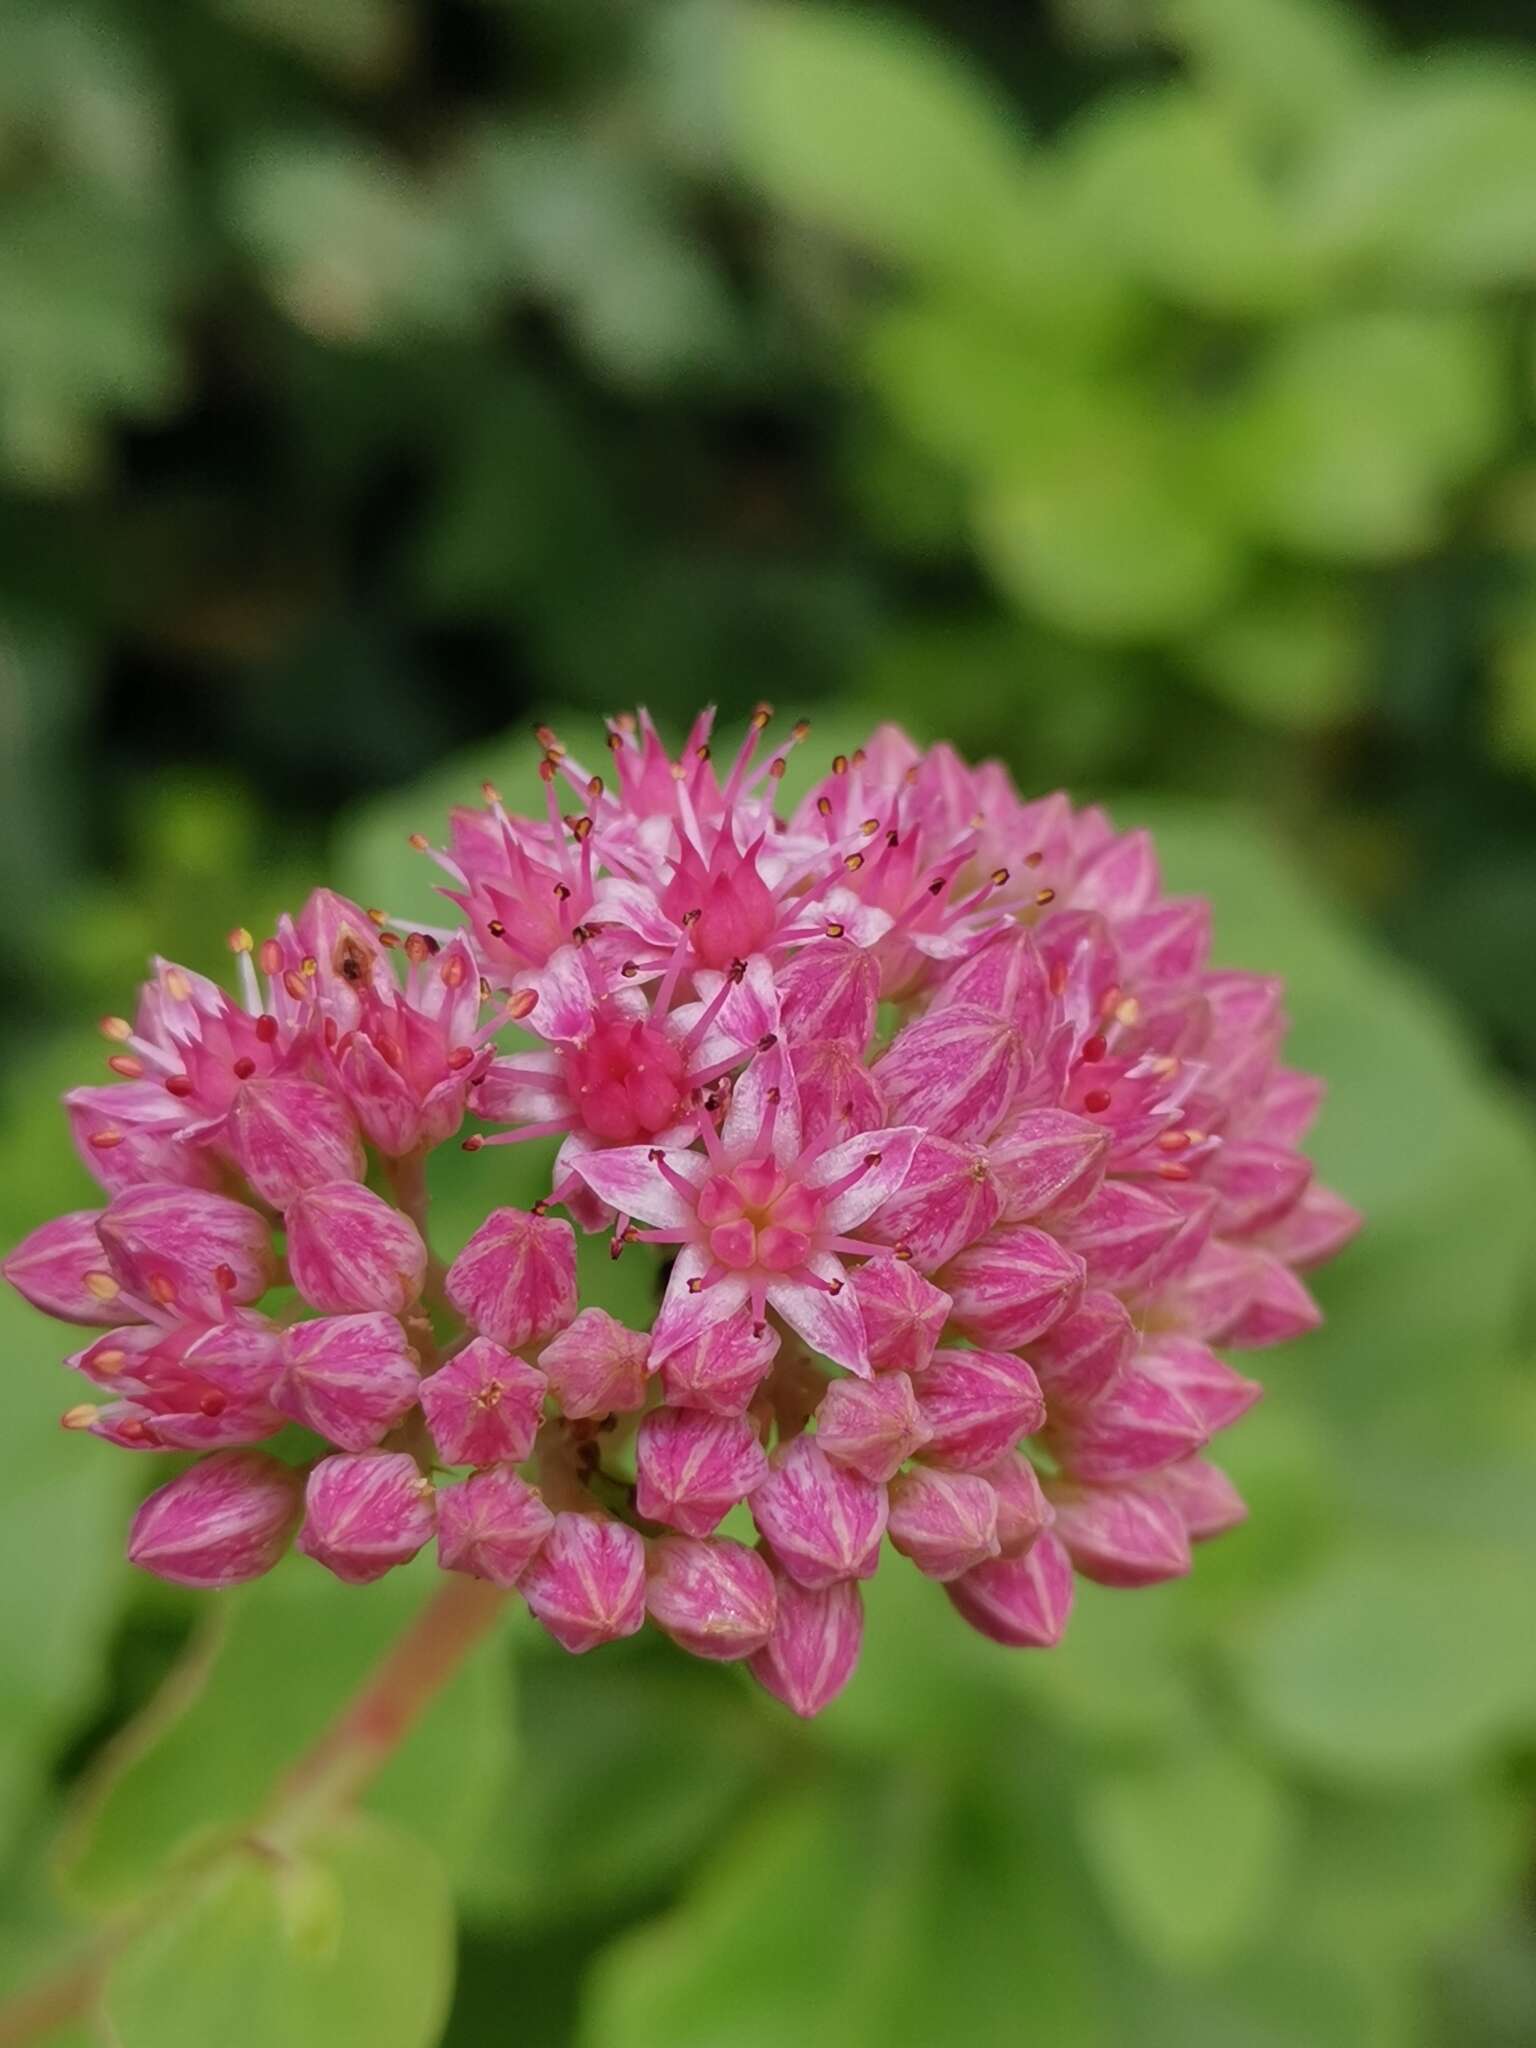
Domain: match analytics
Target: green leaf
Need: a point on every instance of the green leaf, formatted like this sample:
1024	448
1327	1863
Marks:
1433	180
1512	710
1396	1664
350	1941
1279	1996
1286	69
63	1511
589	228
1112	548
359	41
1292	652
1399	1874
851	1912
634	1776
1189	1851
1164	181
348	243
1122	1673
279	1662
1354	427
873	131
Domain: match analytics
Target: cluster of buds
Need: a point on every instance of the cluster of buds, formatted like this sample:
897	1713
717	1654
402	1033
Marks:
959	1163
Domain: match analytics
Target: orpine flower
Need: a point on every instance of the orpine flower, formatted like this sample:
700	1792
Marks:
757	1218
961	1168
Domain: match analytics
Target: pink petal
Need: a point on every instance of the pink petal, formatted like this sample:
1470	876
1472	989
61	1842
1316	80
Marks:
630	1181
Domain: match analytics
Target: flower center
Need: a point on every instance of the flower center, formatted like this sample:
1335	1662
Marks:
736	910
756	1218
627	1080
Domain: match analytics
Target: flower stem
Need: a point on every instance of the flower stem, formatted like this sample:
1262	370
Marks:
329	1777
376	1720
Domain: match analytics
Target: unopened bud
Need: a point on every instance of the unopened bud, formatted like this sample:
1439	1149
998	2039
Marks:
484	1406
823	1522
224	1520
365	1514
515	1281
587	1584
692	1467
713	1597
348	1378
348	1249
491	1525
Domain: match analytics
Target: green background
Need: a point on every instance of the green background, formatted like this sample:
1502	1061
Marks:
1141	392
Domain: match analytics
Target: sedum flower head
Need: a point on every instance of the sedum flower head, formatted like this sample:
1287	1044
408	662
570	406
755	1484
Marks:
959	1165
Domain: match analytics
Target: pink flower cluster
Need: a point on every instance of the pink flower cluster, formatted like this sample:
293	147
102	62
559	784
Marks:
957	1156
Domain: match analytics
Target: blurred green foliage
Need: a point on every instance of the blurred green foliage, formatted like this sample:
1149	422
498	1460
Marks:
1139	390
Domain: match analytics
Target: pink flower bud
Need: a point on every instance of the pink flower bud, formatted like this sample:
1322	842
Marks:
1022	1508
1196	1206
1022	1602
1210	1297
287	1135
977	1405
343	942
838	1096
1121	879
515	1281
1258	1185
949	1198
829	991
596	1366
722	1369
130	1133
1007	977
1279	1308
1122	1231
587	1584
953	1071
714	1598
491	1525
823	1522
62	1269
1167	942
904	1314
1207	1502
811	1654
945	1522
484	1406
1076	1359
364	1513
1321	1224
873	1426
1215	1394
1119	1535
349	1250
224	1520
1136	1425
1047	1161
1011	1287
691	1467
348	1378
184	1386
187	1249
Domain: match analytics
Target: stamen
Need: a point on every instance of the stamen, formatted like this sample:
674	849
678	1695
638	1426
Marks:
672	1177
